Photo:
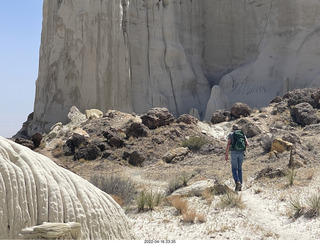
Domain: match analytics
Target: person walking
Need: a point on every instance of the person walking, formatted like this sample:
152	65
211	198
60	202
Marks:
237	144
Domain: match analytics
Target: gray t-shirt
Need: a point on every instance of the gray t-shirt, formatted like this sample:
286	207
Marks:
230	137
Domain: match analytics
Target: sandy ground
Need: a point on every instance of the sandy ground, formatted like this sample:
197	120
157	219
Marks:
264	217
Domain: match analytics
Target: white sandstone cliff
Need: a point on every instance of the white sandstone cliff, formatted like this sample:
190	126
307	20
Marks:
287	55
132	55
34	190
121	54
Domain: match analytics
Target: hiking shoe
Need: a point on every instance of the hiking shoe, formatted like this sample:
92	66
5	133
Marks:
238	186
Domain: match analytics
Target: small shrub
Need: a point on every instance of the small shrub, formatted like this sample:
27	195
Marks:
310	211
141	201
178	182
174	185
291	175
201	218
313	206
189	216
180	204
231	200
114	185
148	200
207	194
194	143
153	199
158	198
185	178
296	207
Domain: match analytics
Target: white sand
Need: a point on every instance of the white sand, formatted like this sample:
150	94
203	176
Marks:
265	216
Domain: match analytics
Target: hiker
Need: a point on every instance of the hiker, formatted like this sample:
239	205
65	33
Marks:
237	144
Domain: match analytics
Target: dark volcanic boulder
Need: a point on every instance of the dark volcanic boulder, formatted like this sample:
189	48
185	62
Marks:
277	99
249	128
306	95
240	110
187	119
36	139
91	152
136	158
157	117
113	139
76	141
25	142
304	114
137	130
220	116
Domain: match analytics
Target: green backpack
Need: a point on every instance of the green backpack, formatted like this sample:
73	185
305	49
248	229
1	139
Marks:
239	141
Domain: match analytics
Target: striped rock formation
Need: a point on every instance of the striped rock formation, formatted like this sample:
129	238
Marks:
34	190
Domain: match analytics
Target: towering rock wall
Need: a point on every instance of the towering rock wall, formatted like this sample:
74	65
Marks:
84	59
166	45
133	55
120	54
284	54
34	190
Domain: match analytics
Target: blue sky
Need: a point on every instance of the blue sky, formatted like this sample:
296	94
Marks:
20	35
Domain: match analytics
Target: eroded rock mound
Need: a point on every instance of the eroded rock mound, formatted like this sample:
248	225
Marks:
35	190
